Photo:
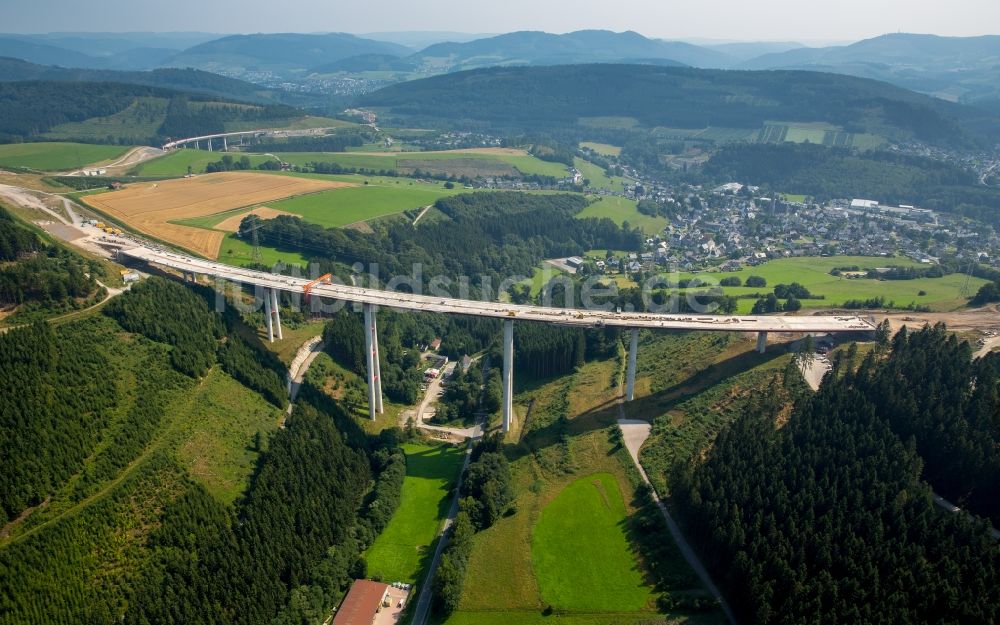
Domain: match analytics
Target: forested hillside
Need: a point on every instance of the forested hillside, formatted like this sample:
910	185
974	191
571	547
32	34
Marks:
192	80
546	98
492	235
30	109
931	391
827	517
153	484
37	275
828	173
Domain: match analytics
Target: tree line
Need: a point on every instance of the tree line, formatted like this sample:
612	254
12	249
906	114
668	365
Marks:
487	494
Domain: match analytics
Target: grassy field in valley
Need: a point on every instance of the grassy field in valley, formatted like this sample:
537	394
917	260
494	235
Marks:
597	177
236	251
177	162
353	204
620	210
943	293
603	149
402	550
580	550
55	156
517	568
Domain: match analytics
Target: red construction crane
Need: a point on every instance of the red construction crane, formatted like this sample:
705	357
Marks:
308	287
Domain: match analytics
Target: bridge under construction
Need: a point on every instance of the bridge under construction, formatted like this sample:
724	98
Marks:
371	299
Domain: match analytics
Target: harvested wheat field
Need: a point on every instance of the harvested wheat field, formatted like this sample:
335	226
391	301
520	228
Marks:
150	207
232	224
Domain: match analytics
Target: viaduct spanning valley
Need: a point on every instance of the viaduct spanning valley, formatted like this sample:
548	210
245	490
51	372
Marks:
372	298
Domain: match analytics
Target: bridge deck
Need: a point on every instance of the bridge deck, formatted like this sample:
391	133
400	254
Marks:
499	310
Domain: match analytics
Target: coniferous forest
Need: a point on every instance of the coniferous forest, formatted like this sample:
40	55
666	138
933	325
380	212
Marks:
829	517
39	274
87	446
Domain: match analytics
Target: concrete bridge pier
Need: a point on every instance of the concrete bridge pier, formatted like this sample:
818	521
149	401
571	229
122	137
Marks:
633	349
225	146
268	318
508	373
371	362
276	310
209	142
272	314
378	365
761	342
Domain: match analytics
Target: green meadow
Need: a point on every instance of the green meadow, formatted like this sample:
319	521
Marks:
581	554
598	179
814	273
341	207
236	251
178	161
54	156
620	210
603	149
402	550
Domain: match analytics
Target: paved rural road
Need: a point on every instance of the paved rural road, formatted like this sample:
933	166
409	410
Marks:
635	434
424	598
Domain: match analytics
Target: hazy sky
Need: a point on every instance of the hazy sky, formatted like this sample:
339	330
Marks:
787	20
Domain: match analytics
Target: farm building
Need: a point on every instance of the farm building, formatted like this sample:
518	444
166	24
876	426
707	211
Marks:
362	603
575	262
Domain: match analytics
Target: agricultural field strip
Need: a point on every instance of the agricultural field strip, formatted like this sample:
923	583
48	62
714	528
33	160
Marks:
152	207
562	316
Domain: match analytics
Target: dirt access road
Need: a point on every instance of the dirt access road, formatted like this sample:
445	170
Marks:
126	162
985	318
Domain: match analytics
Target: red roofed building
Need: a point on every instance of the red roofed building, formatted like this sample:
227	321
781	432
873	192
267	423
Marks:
362	603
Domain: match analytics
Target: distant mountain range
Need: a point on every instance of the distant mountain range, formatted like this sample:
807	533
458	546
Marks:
585	46
122	51
279	52
682	102
189	80
956	69
953	68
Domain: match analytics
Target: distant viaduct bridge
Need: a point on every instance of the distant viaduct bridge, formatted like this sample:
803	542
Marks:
370	299
208	139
